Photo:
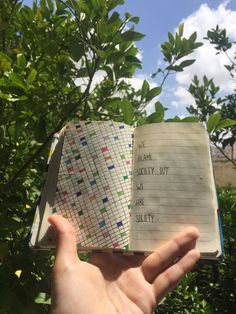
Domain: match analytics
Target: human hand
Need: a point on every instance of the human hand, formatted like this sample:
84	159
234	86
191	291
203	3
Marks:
116	284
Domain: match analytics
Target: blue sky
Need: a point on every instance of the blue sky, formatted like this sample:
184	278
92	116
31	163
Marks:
157	18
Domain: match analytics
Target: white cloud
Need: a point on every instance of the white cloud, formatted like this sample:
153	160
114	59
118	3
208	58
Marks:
207	62
183	98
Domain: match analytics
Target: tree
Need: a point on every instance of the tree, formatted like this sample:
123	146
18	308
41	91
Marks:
212	108
51	56
44	51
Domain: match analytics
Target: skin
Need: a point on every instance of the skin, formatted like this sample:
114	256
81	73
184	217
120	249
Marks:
116	284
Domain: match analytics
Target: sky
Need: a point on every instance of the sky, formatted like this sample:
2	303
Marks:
157	18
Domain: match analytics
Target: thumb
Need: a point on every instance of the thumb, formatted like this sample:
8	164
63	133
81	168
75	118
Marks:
66	249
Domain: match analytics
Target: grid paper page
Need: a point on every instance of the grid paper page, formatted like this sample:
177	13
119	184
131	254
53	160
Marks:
94	181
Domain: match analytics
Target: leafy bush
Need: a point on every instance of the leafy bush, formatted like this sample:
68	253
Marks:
50	57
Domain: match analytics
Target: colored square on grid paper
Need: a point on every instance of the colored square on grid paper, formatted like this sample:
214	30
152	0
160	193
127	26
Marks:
119	224
77	157
103	210
84	143
125	177
70	169
54	210
65	193
123	234
73	205
80	181
95	173
77	126
78	193
104	149
115	138
92	197
102	224
106	234
120	193
87	122
82	139
105	200
128	162
68	162
88	236
129	145
82	170
111	167
108	158
81	226
93	182
121	126
80	213
116	244
122	156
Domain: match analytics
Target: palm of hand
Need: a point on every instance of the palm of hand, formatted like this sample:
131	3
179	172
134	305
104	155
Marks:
112	283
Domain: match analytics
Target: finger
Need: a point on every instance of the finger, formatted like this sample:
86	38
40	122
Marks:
164	257
169	279
66	249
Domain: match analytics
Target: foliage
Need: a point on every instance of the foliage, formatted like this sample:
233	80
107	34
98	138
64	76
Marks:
218	112
50	58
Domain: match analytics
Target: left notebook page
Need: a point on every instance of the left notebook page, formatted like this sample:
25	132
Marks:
90	186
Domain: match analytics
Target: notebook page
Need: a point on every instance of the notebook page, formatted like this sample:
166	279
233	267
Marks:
172	185
93	186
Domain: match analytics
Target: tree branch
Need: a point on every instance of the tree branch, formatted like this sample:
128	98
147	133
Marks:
224	154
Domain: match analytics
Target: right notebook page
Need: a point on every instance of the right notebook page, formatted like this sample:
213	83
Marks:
173	186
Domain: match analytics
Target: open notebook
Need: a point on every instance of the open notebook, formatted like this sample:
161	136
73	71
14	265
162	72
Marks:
128	188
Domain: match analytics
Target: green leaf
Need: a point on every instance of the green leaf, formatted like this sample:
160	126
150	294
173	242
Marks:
213	121
153	93
31	77
76	49
190	119
132	59
17	80
155	73
127	110
225	123
131	36
145	89
21	61
42	298
155	117
159	107
160	110
171	38
175	119
181	29
186	63
134	19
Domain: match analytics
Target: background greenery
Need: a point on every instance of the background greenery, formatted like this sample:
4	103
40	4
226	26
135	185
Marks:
50	57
